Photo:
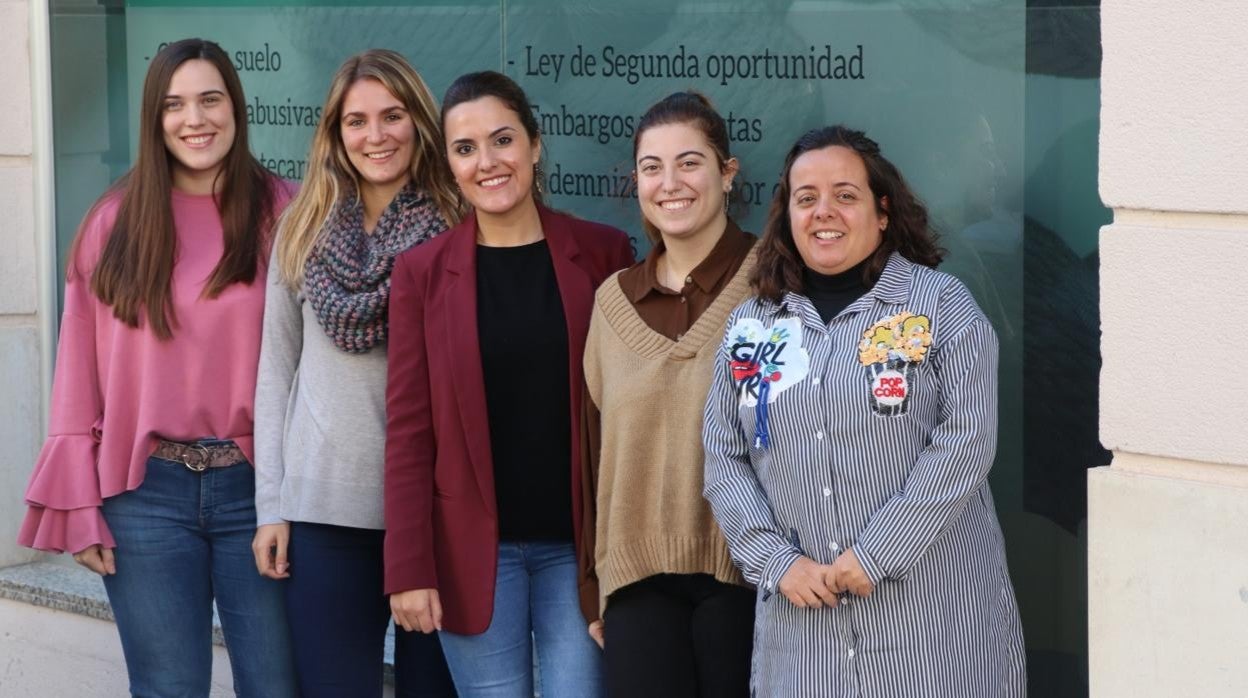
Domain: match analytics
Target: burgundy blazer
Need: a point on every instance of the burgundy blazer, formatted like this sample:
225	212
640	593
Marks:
440	510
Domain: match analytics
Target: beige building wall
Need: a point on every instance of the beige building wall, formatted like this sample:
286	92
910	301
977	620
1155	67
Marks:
1168	520
23	236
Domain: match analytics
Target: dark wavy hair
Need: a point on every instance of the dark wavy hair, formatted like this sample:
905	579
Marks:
692	108
489	83
779	269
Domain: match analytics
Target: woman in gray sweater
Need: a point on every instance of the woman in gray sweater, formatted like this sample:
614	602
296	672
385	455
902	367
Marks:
377	184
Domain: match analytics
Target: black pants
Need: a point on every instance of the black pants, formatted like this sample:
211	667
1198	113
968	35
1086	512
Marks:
338	615
679	635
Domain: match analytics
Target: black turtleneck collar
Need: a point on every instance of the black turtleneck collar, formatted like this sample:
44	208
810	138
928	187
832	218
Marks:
832	293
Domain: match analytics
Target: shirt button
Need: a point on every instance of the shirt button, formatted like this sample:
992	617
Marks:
688	279
834	546
680	336
682	299
815	380
827	492
819	435
851	654
846	602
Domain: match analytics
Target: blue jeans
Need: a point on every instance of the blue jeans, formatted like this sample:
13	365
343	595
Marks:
535	598
183	539
339	612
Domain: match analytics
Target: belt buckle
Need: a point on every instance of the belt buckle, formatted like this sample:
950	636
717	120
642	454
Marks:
195	457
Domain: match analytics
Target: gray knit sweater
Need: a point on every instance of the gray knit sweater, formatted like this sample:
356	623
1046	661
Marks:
320	421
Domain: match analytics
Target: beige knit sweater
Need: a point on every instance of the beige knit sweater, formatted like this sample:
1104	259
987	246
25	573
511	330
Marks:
651	391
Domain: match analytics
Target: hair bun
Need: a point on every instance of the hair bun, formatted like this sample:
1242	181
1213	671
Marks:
695	96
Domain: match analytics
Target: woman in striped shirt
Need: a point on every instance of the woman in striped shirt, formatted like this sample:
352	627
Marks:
850	428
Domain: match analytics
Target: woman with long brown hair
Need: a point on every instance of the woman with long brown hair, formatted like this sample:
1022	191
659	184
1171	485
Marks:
145	474
377	185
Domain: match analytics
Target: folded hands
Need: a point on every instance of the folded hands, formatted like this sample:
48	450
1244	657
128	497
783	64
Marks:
808	584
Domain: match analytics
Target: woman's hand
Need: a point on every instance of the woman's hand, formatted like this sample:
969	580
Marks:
847	573
417	609
269	549
598	631
805	584
98	559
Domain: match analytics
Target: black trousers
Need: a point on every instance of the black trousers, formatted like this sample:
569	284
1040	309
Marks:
679	635
338	615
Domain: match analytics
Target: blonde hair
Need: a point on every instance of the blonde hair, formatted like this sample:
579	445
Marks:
330	174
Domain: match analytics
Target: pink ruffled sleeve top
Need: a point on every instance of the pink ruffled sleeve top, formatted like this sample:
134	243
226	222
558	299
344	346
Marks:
117	390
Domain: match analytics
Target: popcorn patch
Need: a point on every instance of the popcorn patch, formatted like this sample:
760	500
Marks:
890	352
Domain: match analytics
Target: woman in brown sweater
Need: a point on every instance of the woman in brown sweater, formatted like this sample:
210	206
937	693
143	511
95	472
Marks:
676	614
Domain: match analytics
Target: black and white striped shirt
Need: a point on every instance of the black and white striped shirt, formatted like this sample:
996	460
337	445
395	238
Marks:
878	434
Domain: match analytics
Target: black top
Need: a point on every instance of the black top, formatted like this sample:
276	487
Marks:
524	360
832	293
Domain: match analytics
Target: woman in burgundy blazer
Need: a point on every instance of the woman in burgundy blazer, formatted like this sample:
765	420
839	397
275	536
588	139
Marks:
466	320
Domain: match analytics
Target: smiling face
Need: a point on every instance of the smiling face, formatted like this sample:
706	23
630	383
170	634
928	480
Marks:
832	211
680	184
378	135
491	155
198	124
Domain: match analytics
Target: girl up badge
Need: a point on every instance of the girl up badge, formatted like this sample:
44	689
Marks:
765	361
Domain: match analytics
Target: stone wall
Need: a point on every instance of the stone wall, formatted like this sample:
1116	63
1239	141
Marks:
1168	544
21	277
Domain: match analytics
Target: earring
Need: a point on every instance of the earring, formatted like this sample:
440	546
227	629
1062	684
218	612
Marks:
538	176
727	194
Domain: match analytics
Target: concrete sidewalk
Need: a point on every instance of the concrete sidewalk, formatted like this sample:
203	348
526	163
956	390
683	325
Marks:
45	653
58	640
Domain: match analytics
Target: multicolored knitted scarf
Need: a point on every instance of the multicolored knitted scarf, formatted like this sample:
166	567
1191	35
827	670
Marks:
347	277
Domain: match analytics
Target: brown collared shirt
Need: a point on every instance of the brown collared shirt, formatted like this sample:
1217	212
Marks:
672	313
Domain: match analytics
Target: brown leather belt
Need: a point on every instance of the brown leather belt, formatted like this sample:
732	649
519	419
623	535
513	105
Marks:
199	457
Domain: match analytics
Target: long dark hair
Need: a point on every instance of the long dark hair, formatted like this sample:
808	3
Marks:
136	265
691	108
488	83
779	268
